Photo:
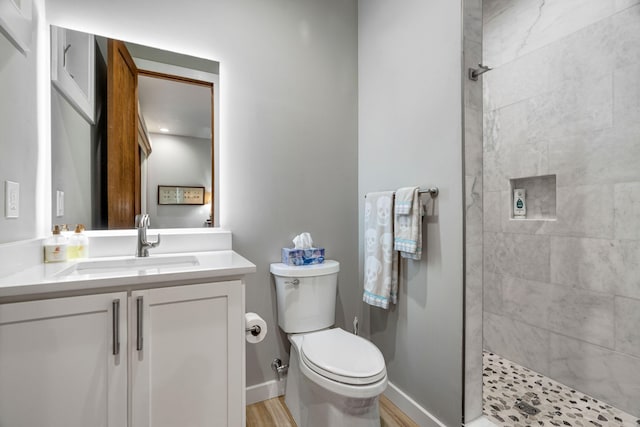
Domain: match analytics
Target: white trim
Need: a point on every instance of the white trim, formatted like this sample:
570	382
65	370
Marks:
411	408
82	98
268	390
16	23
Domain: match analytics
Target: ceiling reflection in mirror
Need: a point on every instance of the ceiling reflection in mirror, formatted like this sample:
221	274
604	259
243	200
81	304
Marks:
125	120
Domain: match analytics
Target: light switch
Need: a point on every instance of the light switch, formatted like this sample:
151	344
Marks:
59	203
11	199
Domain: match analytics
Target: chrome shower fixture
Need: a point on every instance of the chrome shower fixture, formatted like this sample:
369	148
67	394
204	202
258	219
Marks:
475	72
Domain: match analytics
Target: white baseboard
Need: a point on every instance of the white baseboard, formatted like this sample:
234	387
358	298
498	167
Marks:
268	390
406	404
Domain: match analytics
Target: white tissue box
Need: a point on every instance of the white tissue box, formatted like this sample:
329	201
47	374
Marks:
292	256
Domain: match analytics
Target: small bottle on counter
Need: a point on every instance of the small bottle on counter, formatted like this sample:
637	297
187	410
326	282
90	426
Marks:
55	247
78	244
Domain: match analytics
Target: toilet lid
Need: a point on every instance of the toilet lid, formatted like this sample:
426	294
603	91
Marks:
342	356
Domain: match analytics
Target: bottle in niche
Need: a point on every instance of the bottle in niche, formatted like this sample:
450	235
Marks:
519	204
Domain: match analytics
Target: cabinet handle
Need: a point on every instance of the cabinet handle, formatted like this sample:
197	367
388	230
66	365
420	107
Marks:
116	326
139	323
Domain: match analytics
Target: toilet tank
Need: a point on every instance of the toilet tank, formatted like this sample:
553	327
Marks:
306	295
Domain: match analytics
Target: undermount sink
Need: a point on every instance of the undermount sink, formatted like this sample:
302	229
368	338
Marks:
157	264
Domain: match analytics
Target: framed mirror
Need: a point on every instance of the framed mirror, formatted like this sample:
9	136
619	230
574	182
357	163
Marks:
148	122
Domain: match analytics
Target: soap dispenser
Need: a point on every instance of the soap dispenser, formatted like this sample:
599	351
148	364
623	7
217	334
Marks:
55	247
78	244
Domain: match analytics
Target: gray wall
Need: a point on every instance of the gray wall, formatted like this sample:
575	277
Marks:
472	52
178	160
288	149
71	146
77	150
410	133
562	297
19	145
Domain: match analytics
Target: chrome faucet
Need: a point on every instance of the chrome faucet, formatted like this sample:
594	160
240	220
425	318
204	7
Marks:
142	223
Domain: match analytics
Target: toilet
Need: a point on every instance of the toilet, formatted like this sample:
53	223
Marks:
335	377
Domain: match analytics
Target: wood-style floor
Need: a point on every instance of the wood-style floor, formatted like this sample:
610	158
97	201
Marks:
274	413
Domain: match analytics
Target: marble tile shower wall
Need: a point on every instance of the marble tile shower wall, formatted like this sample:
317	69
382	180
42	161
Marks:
563	297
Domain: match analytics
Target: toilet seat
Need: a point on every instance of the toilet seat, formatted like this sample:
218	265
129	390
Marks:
343	357
361	391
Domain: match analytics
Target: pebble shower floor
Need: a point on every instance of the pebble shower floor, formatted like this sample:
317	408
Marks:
506	384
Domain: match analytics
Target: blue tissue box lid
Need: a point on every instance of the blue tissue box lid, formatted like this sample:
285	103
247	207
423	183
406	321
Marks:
292	256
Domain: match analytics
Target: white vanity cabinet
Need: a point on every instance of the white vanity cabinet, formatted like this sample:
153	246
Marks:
187	355
180	359
60	365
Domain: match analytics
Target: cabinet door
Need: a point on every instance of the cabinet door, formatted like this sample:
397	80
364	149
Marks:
187	362
57	362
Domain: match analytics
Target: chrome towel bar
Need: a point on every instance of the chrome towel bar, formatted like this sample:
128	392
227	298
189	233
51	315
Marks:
433	191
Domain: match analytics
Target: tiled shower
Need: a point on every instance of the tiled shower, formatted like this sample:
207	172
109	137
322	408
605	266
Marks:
561	113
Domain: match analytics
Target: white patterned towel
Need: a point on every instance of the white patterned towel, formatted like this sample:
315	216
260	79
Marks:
380	260
404	200
408	227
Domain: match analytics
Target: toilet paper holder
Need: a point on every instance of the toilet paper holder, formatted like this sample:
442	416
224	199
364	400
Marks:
255	330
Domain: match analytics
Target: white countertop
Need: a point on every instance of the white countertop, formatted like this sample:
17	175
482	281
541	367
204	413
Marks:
46	278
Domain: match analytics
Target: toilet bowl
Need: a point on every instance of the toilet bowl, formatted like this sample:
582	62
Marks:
335	378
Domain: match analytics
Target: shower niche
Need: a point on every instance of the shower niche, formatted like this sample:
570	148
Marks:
540	197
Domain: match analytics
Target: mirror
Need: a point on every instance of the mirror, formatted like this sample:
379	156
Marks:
129	125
